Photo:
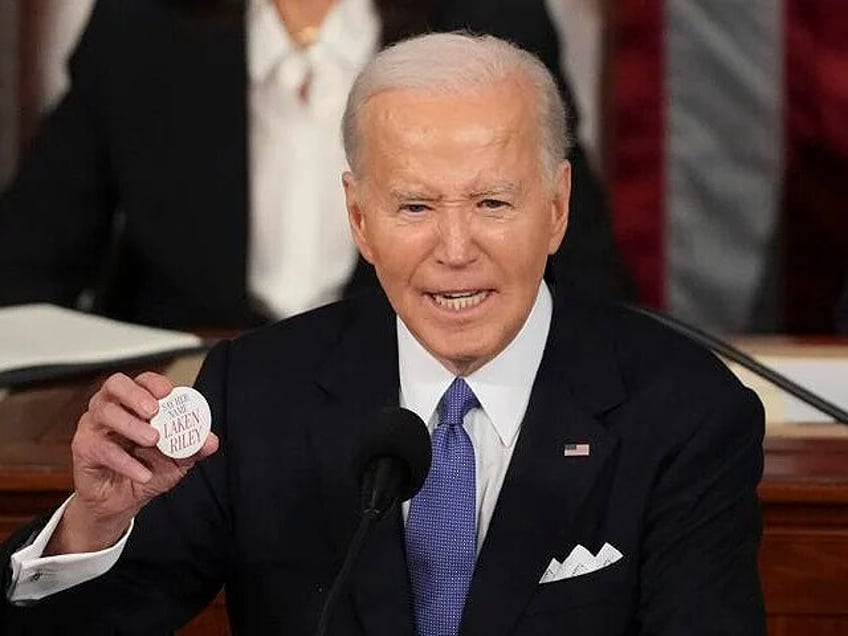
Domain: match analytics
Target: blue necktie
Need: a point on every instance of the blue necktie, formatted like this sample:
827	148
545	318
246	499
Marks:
441	536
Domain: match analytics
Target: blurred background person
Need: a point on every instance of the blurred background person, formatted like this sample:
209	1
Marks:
218	121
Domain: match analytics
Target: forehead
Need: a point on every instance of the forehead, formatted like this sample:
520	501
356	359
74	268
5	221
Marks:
413	125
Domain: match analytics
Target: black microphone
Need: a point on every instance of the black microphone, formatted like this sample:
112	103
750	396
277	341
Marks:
393	460
391	466
726	350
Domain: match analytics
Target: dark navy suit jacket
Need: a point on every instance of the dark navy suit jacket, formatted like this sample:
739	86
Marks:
675	458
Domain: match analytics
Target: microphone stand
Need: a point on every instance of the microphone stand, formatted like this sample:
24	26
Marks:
728	351
369	518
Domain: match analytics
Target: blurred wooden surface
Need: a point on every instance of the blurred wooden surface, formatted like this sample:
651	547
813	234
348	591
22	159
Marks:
804	554
804	494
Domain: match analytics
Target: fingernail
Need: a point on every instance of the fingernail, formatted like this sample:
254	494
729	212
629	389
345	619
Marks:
152	436
151	406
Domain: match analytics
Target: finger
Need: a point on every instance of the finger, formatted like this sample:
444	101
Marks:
121	421
210	446
111	455
133	396
158	385
167	472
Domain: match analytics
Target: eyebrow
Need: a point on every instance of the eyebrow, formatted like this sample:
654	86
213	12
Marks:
501	189
413	195
496	190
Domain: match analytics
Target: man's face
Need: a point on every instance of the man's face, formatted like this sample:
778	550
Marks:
451	206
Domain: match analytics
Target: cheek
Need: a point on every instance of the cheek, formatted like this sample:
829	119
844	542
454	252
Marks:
398	251
537	243
518	251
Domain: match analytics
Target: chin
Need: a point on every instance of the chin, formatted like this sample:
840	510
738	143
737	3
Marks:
463	359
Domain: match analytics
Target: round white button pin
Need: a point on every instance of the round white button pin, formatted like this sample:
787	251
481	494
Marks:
183	421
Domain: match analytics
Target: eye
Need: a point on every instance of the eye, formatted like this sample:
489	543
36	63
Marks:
414	208
492	204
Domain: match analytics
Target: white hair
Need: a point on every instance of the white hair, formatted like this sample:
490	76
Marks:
456	63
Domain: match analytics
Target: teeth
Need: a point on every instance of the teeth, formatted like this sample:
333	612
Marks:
460	301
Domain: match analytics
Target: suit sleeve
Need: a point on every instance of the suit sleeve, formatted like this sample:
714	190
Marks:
55	217
699	571
174	562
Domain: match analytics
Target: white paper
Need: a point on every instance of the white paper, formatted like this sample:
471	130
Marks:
41	334
825	376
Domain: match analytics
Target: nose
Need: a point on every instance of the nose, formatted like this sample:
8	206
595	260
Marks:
457	246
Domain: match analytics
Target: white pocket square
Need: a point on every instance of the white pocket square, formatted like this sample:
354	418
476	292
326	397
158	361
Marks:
580	562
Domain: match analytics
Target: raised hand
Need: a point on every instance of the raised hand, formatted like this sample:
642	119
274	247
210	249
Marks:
116	466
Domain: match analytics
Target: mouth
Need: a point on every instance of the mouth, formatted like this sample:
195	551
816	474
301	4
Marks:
458	301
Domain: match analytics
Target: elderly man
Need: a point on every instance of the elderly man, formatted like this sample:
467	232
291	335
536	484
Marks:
601	475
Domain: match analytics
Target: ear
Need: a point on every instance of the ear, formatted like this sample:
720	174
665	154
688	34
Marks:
560	206
356	214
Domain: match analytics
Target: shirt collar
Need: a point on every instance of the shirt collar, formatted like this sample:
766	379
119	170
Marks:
502	385
349	35
267	39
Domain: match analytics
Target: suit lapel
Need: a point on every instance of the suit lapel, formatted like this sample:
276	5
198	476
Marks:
360	379
544	491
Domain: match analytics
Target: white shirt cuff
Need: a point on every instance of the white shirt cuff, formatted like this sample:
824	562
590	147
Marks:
35	577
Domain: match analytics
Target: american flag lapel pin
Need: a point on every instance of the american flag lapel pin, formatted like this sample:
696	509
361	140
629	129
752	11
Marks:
576	450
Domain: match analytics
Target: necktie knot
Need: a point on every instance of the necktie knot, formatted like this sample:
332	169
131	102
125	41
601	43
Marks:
456	402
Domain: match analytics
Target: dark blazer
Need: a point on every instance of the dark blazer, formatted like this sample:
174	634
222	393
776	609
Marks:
136	187
675	458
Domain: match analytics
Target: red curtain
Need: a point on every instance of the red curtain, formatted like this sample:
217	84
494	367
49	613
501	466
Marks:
635	141
815	198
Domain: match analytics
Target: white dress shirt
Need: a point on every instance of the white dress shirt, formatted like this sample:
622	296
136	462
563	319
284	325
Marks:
502	387
300	250
34	576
